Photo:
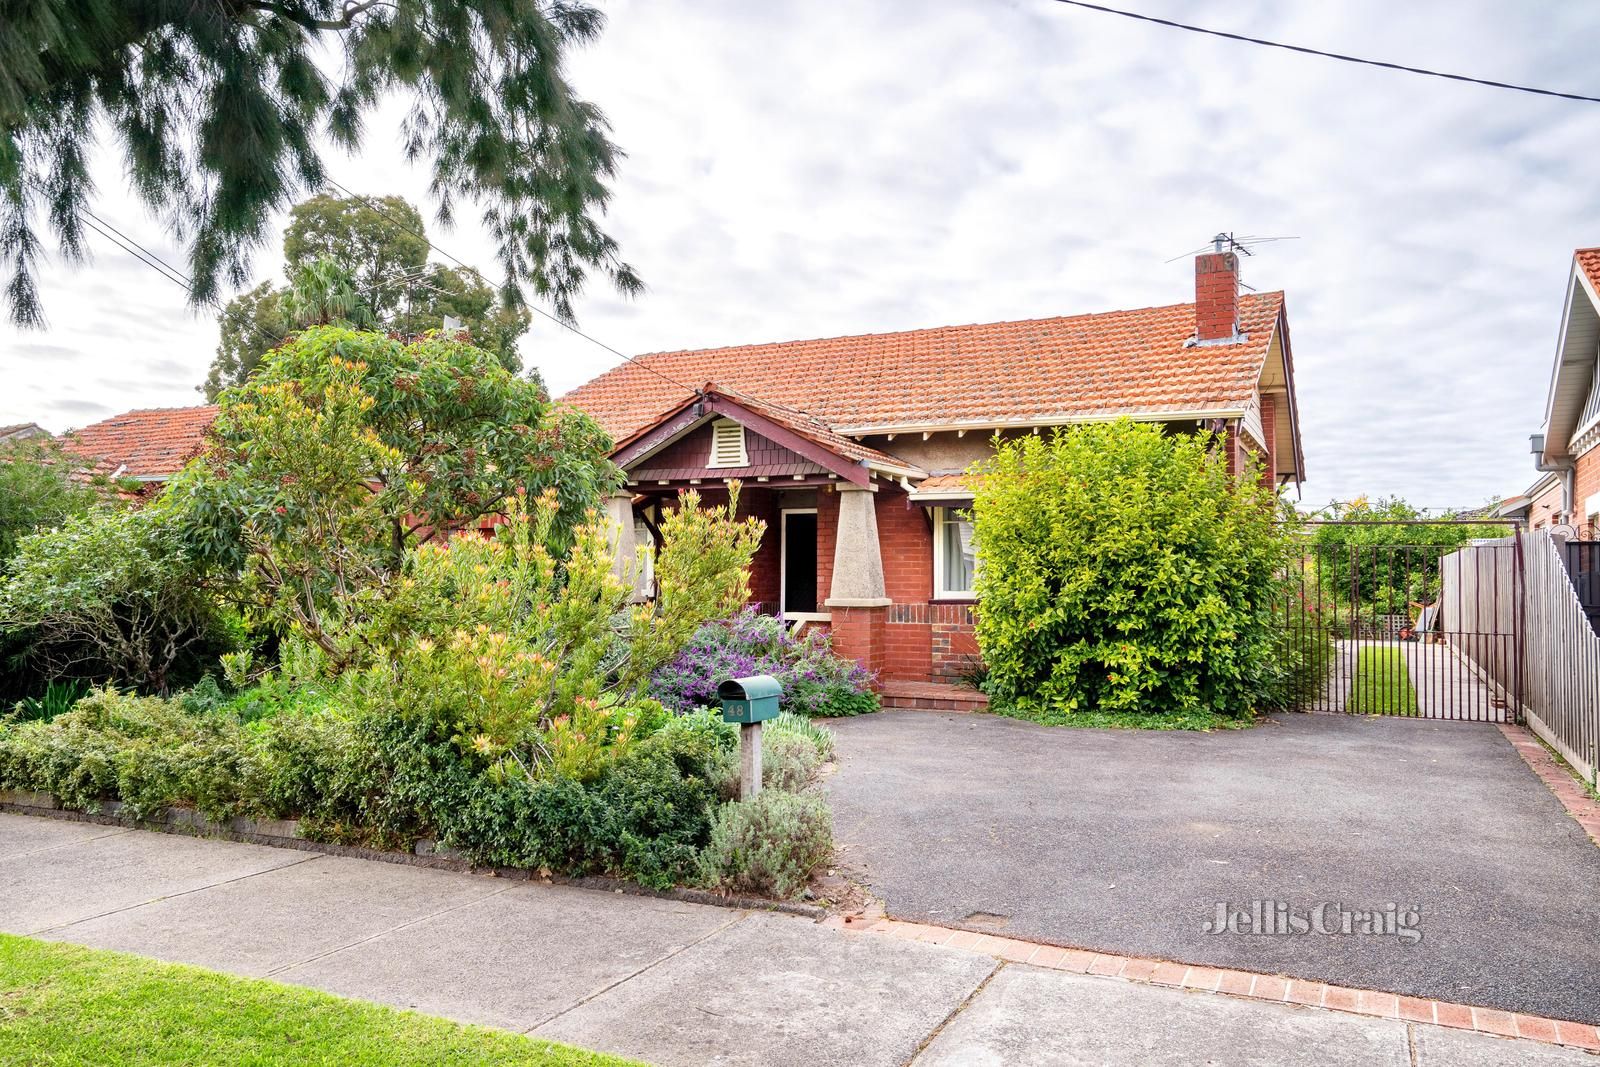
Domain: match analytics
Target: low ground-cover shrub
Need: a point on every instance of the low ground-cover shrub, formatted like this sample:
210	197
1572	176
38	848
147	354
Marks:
144	751
815	682
770	844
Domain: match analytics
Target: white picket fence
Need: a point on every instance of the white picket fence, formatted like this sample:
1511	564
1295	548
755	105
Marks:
1557	674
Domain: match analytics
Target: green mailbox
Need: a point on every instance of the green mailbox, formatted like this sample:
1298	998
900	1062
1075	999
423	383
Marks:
749	700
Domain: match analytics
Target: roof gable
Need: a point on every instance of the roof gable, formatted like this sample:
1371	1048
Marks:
1572	404
1069	368
802	438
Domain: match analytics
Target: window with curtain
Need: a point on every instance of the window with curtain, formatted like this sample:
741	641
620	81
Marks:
955	563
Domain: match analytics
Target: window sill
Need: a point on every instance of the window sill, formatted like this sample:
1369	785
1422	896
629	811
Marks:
953	598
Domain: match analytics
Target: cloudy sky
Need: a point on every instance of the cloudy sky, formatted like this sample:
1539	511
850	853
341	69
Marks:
801	170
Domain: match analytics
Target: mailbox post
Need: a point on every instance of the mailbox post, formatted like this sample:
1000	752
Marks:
749	702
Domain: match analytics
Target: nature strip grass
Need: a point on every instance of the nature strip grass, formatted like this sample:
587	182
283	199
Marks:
66	1005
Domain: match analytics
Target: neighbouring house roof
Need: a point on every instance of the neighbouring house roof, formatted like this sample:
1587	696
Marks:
1039	371
1572	408
150	444
21	431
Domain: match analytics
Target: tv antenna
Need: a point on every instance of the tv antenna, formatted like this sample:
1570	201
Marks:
1227	242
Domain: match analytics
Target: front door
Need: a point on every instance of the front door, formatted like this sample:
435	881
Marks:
799	562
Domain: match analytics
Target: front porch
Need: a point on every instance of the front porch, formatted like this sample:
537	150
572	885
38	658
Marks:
848	546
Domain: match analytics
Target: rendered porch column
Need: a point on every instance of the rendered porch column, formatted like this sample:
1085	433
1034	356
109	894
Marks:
624	552
856	601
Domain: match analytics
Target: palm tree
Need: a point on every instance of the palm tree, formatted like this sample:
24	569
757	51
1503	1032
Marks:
322	292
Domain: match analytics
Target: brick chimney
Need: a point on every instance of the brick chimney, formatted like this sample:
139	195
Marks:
1216	293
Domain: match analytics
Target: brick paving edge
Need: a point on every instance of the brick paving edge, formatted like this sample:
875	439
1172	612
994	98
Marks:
1248	985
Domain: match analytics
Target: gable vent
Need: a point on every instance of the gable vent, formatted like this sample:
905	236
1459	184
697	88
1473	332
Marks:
727	445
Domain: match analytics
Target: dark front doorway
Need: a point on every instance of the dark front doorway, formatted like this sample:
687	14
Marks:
799	562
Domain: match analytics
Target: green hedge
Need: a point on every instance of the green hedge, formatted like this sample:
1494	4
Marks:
1125	571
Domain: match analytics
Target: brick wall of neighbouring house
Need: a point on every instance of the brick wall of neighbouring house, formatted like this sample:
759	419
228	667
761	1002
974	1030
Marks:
1545	507
1587	484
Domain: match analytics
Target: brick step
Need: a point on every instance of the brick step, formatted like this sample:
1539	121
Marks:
930	696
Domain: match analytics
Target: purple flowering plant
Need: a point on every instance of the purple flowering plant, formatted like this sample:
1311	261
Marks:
815	681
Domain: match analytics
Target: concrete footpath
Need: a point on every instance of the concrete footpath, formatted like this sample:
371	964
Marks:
665	981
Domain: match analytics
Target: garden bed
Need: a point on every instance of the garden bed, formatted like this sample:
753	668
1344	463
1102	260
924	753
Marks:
284	833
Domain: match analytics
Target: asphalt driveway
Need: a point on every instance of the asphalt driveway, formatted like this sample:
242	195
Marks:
1127	841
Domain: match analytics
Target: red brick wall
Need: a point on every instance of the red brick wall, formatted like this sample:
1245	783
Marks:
765	572
930	641
827	532
924	640
1588	484
905	538
859	632
765	567
1216	295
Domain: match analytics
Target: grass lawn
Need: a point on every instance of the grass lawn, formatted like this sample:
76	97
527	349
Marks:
1382	685
62	1004
1132	720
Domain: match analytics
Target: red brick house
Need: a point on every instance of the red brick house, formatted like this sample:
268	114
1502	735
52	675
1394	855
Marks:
1567	450
852	449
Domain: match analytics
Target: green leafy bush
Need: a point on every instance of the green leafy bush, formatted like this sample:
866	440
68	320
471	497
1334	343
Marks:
770	844
1124	570
145	751
1303	652
116	595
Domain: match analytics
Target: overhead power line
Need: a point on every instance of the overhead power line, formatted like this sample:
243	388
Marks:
1341	57
379	208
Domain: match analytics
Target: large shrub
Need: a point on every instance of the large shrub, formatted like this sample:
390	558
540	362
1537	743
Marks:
115	595
37	489
1303	651
346	449
815	682
1123	569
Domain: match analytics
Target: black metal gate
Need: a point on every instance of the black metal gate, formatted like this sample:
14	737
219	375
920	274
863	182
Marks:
1419	619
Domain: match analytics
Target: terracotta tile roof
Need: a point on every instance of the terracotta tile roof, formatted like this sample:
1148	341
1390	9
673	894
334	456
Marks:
952	484
1073	367
1588	260
150	443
